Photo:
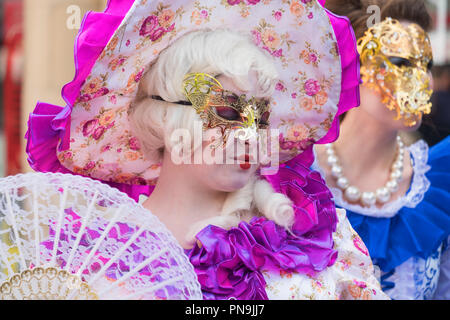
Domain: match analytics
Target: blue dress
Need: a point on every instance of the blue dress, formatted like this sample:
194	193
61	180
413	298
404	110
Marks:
408	238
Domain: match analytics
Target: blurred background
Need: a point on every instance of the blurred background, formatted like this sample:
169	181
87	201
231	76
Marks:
36	60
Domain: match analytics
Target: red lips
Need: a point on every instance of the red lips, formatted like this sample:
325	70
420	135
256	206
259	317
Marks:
246	165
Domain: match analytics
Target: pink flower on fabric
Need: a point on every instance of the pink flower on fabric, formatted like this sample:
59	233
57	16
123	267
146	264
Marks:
101	92
204	14
89	166
98	133
306	1
310	15
85	98
110	125
113	99
138	77
89	127
233	2
277	53
287	144
357	242
252	1
67	155
148	26
256	37
279	86
157	34
278	15
151	28
312	57
312	87
134	144
360	284
106	148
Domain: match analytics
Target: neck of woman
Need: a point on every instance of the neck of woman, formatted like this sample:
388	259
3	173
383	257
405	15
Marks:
179	202
365	143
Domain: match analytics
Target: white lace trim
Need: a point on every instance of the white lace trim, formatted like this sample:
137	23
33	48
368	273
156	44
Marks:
403	278
416	278
419	186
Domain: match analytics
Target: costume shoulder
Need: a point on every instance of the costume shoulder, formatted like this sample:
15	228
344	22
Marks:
352	277
439	161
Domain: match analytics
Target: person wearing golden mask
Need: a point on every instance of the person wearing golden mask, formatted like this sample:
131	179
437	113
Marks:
396	195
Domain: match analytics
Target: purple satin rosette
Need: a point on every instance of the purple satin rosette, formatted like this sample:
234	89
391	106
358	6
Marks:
229	263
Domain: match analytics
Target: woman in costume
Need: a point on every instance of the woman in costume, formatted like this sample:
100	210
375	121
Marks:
396	196
251	231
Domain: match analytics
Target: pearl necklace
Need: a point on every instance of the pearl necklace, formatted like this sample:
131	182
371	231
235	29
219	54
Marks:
352	193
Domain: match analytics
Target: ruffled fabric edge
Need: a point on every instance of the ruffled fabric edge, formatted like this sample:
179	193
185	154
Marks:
351	79
412	232
229	263
49	125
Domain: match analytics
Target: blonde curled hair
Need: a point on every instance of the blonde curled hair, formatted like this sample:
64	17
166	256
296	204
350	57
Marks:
218	52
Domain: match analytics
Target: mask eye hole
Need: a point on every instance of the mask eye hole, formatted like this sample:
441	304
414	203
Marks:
264	119
430	65
227	113
400	62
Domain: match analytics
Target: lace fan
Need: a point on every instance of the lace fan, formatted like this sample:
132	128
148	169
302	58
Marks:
69	237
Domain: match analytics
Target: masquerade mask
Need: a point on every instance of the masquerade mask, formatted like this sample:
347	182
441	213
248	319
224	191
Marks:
395	60
220	108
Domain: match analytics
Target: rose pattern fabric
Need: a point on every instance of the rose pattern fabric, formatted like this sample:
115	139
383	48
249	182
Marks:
352	277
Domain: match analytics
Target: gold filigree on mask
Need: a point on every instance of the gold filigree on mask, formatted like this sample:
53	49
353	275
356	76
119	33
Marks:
394	62
220	108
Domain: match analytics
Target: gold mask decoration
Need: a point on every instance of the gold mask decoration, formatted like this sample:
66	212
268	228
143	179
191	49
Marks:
395	61
220	108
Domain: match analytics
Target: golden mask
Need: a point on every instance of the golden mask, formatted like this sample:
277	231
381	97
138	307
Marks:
395	60
219	108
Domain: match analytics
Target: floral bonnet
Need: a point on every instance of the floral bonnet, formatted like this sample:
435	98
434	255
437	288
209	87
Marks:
313	49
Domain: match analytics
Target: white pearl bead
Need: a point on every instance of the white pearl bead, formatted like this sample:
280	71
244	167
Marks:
368	198
336	171
392	186
396	174
342	183
398	165
330	150
352	193
383	194
332	160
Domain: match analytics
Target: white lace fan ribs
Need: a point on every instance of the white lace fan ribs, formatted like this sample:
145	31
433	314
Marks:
68	237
